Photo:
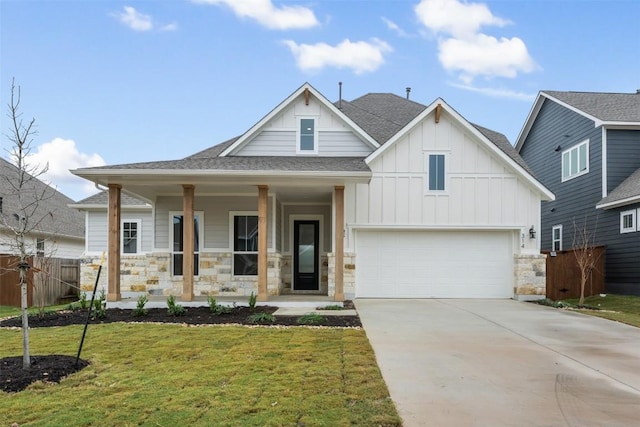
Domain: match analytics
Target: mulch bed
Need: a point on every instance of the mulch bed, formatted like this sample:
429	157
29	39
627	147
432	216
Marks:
52	368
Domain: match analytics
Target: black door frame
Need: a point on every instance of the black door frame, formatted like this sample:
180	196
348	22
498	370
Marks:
314	278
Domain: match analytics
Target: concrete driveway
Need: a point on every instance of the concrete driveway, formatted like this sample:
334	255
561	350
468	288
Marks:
503	363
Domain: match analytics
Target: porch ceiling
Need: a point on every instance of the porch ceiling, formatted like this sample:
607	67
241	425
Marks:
287	193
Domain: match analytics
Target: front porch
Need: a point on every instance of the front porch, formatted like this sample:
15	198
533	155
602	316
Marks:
216	245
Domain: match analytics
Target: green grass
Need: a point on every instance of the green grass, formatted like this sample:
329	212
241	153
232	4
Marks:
621	308
166	375
6	311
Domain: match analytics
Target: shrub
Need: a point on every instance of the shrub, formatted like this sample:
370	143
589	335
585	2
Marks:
311	319
84	304
261	318
174	309
217	309
252	300
140	310
99	306
331	307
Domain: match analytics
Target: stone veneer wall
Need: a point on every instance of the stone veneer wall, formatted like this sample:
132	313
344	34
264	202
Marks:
151	273
349	275
287	269
530	274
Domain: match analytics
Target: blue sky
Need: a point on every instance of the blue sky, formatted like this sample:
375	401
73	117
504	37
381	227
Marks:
112	82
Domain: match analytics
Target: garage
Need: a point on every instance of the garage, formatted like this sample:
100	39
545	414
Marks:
434	264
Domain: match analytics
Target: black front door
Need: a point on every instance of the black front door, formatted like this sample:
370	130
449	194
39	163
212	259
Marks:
305	255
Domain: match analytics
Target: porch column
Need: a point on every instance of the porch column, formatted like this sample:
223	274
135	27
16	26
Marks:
263	191
339	197
113	245
187	241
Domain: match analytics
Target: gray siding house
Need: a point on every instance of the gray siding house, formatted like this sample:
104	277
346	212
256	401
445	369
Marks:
585	147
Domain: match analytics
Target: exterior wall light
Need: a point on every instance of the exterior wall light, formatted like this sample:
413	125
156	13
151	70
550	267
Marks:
532	233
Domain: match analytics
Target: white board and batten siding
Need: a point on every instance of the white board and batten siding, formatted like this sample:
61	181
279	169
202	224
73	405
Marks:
411	243
278	136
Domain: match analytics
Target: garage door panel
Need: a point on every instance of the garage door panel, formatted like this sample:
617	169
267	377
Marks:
434	264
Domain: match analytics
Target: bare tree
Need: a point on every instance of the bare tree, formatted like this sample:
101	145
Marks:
23	212
584	242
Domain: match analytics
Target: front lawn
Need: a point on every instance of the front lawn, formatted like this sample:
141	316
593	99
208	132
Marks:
165	375
622	308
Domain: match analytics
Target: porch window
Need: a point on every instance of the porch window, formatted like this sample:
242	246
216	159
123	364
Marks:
245	245
130	237
628	221
178	243
556	238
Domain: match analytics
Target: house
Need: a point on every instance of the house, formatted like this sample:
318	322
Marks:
54	239
376	197
585	147
60	229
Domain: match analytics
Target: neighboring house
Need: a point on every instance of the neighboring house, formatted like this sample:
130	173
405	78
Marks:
585	147
60	231
377	197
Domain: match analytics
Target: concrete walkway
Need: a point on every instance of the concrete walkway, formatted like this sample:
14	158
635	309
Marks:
503	363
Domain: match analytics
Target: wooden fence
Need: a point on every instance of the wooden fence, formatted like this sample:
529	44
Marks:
50	280
563	275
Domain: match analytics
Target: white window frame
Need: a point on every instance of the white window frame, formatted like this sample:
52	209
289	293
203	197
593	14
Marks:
232	215
299	149
553	238
634	215
40	246
567	152
199	214
428	155
138	223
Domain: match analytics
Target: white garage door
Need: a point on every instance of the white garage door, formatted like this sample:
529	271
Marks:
434	264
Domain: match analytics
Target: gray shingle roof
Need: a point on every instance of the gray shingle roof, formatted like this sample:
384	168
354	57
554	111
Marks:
381	115
102	199
57	217
609	107
629	188
503	143
253	163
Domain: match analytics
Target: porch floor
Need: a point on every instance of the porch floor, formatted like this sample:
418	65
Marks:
290	301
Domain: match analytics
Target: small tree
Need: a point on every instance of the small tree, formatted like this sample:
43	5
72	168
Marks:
23	213
584	242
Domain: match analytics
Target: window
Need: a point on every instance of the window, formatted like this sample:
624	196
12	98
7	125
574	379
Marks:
307	137
178	243
556	238
245	245
131	237
436	172
628	221
575	161
39	247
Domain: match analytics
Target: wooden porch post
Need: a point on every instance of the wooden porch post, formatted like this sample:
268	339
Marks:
113	245
263	191
187	240
339	197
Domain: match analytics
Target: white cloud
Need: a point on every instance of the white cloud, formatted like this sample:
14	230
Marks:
394	27
140	22
463	49
134	19
460	19
361	57
61	155
269	15
498	93
486	56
